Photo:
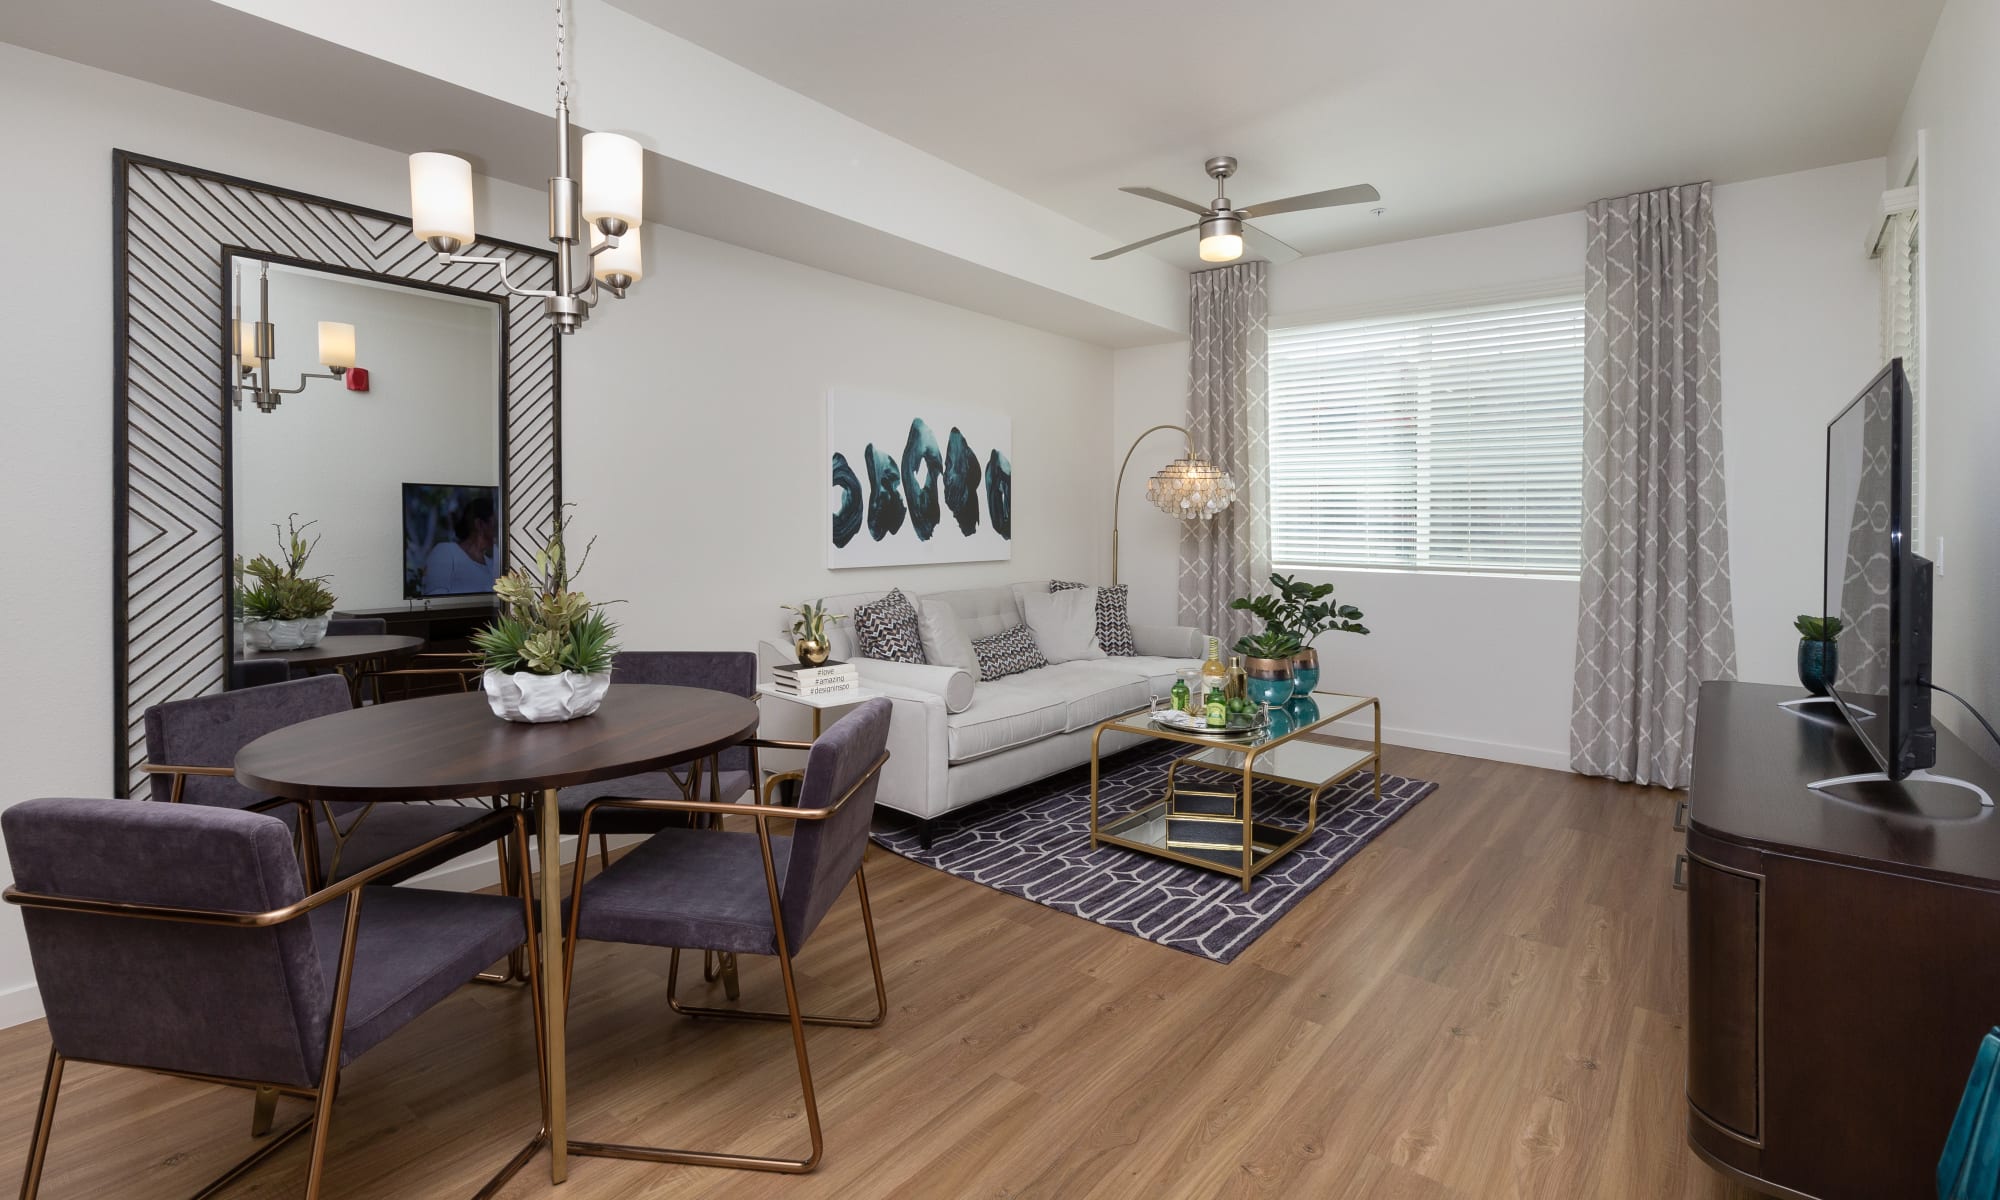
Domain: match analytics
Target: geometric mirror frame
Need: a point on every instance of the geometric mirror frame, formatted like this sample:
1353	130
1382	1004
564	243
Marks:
175	229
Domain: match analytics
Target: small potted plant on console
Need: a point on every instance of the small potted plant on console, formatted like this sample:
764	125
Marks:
284	608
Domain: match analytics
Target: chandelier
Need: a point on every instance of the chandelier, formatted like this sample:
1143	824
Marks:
1191	488
607	203
255	343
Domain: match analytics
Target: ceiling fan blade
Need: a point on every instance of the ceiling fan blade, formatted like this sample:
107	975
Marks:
1149	241
1164	198
1273	249
1360	193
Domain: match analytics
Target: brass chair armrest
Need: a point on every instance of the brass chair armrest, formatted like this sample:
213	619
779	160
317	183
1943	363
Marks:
741	810
493	821
775	744
771	784
153	768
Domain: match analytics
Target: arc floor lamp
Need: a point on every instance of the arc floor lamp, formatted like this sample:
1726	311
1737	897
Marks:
1190	487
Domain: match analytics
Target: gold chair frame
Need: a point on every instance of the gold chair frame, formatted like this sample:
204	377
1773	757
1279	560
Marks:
761	814
321	1119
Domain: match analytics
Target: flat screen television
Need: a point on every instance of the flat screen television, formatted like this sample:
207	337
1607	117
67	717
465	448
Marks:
1875	582
451	539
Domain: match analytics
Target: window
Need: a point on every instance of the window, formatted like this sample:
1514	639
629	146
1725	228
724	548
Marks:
1442	441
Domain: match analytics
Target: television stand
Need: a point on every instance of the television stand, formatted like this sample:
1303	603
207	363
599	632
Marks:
1917	776
1843	957
1800	704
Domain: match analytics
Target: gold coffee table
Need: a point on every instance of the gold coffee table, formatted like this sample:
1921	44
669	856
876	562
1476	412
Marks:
1216	828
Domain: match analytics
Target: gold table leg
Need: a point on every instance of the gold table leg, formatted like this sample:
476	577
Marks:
550	842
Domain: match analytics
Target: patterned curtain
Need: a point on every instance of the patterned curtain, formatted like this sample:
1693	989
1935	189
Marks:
1230	554
1654	616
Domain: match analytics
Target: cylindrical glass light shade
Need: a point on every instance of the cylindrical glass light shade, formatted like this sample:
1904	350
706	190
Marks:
1222	247
1191	488
613	170
246	345
1221	239
623	259
441	196
336	344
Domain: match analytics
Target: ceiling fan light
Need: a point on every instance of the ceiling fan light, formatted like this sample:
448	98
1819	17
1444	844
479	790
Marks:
1221	239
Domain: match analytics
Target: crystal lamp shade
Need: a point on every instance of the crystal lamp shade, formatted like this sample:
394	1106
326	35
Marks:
1191	488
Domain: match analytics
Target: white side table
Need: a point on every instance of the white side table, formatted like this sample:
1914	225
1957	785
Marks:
820	704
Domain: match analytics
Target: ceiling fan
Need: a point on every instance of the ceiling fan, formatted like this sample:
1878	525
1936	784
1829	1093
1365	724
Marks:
1222	227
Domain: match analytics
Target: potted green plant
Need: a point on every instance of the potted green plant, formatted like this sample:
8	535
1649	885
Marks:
284	608
809	640
1304	610
1267	664
548	656
1819	652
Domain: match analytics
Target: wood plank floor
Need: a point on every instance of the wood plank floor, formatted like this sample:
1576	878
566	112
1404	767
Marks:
1487	1002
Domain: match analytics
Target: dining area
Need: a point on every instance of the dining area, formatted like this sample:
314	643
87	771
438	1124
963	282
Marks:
260	909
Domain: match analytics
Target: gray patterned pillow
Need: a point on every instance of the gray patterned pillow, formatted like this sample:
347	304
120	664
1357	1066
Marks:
886	629
1114	622
1009	652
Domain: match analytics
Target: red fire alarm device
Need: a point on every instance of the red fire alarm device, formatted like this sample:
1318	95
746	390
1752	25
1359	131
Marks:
357	379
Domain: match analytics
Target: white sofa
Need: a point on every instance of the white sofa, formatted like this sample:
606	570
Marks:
954	740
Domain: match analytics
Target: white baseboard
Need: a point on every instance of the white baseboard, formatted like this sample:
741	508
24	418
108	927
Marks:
467	873
20	1005
1417	739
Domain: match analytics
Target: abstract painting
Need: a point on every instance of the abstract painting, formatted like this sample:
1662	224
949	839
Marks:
915	482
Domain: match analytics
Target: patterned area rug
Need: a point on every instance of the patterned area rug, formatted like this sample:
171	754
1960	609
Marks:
1034	842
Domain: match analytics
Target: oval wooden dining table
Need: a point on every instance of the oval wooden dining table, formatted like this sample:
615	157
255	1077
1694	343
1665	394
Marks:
453	747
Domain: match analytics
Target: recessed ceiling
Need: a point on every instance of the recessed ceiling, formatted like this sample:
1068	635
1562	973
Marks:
1465	113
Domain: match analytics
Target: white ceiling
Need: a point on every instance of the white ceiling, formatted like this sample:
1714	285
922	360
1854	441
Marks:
1464	113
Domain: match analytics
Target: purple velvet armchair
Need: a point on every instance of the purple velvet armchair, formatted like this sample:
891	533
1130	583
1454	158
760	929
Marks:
177	938
746	893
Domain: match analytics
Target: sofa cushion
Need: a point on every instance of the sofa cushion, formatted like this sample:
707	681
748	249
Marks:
1114	623
1091	691
1158	672
1064	624
1003	715
945	643
887	629
982	612
1007	653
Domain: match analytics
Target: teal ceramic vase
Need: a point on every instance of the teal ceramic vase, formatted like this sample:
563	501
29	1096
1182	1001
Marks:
1305	671
1268	680
1304	710
1819	664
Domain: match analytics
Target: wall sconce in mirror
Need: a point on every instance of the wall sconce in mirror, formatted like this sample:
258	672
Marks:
608	202
255	343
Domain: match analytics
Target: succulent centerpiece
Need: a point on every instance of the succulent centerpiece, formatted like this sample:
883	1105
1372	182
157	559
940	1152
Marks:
282	607
548	655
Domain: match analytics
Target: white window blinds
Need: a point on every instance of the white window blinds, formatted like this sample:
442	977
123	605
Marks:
1447	440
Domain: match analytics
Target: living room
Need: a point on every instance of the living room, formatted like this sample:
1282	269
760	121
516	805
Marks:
930	245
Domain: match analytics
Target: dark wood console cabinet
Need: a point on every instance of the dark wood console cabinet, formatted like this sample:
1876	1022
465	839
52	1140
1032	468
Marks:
1843	955
446	625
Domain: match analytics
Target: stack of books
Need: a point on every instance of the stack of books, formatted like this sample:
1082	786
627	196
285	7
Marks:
830	678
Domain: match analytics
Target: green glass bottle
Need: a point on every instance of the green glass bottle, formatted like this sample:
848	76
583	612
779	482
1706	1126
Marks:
1218	710
1180	695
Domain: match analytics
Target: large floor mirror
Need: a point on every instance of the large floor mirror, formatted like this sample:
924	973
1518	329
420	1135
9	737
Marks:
283	353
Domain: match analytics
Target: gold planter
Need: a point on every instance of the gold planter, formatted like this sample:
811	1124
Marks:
811	651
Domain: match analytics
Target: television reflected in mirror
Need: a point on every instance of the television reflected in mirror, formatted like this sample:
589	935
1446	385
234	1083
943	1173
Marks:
451	539
358	462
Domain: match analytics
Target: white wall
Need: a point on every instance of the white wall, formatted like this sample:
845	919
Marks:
431	414
1484	666
692	413
1956	104
707	485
